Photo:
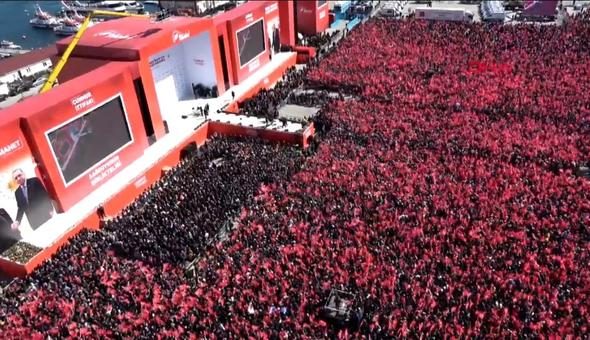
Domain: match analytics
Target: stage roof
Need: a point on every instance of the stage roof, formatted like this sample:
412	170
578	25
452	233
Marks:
123	39
76	67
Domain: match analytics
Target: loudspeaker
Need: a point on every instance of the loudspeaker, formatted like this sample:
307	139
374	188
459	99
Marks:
188	149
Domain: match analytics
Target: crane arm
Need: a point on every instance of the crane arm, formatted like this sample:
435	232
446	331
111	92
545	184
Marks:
66	55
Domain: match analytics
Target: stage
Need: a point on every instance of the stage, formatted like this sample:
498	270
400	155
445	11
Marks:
121	189
266	77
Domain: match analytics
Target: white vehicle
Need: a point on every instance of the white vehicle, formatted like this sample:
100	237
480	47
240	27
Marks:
392	8
39	82
4	90
493	11
443	14
388	12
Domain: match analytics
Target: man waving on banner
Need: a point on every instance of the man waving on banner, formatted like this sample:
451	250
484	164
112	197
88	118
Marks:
32	200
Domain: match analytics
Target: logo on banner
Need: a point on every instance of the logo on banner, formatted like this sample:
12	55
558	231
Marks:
83	101
199	62
9	148
271	8
322	14
157	61
306	11
180	36
113	35
249	17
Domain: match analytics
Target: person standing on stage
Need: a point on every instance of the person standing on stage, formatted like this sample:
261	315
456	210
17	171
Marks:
32	200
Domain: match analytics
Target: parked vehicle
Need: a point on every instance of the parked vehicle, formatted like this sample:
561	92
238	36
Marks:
513	4
4	90
443	14
39	82
493	11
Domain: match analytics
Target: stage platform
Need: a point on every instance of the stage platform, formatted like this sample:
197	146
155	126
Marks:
266	77
125	186
297	112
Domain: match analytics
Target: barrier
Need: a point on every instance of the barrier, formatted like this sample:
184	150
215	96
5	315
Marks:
270	135
353	23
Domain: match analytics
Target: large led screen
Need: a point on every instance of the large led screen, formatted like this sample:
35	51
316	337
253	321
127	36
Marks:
86	140
251	42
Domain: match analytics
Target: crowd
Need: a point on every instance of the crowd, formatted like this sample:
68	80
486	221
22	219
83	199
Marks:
310	98
321	41
197	199
443	196
19	251
267	101
127	279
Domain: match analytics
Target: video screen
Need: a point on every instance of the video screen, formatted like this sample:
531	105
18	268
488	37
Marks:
251	42
321	2
90	138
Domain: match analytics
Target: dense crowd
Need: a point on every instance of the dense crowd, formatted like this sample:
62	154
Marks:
443	196
266	103
107	284
467	140
311	98
322	41
204	192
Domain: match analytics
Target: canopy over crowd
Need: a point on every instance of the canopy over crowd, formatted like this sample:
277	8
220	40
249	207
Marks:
443	195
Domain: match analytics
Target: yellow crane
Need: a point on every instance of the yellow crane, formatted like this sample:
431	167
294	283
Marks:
66	55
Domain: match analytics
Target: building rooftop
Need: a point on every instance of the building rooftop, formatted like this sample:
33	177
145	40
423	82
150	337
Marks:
19	61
